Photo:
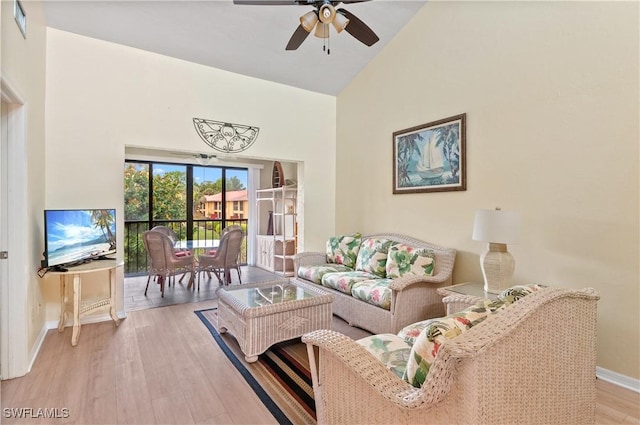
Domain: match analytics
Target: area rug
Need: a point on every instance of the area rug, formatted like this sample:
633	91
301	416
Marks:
280	377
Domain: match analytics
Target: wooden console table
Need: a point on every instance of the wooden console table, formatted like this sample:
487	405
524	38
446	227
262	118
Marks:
79	307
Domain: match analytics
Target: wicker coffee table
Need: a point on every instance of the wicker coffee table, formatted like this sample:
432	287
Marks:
262	314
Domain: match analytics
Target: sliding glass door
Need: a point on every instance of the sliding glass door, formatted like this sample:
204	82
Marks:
197	202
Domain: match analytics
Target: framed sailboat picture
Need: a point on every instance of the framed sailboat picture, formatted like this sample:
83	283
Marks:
431	157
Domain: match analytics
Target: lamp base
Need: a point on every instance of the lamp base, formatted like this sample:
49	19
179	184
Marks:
497	266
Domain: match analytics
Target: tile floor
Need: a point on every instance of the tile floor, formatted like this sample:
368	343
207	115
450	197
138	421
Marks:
134	298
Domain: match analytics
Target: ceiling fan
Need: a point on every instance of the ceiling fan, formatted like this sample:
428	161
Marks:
325	14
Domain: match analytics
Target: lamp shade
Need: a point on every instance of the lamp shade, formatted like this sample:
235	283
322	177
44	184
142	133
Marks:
496	226
322	30
309	20
340	22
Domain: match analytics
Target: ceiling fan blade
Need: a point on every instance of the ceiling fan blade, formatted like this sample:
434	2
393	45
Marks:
359	29
277	2
299	35
266	2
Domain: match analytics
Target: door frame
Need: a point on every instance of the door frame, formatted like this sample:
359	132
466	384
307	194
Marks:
14	281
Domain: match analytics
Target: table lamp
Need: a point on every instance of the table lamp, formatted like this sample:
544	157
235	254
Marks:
499	228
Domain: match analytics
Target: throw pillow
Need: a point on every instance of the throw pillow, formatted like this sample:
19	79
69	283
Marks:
390	349
410	332
431	338
514	293
343	249
404	259
434	334
372	257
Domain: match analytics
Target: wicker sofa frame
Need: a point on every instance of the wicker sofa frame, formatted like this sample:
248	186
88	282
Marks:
533	362
413	298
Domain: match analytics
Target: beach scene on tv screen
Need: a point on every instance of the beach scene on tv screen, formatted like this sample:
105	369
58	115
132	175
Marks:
74	235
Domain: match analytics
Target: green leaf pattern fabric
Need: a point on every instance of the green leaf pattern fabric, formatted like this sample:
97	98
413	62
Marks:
345	281
314	273
374	291
372	257
516	292
410	332
404	259
431	338
343	249
390	349
435	332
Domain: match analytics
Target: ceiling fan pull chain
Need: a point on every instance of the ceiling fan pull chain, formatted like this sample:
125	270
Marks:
324	39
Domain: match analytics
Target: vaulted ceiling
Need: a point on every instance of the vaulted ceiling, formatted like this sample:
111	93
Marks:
245	39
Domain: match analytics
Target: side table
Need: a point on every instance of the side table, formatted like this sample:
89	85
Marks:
462	295
79	307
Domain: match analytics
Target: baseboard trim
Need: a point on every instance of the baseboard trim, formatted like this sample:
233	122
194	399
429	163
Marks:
37	346
618	379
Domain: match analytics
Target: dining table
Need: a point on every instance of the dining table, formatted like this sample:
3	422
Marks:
193	244
207	245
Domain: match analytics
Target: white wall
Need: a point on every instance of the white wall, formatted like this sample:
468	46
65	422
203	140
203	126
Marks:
23	71
102	97
550	90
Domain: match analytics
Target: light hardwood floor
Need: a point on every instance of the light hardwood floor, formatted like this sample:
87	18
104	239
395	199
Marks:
161	366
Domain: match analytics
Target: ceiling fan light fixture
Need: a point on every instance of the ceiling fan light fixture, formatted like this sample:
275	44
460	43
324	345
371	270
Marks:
205	159
340	22
309	20
322	30
326	13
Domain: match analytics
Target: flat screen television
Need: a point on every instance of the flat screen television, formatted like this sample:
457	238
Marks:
74	236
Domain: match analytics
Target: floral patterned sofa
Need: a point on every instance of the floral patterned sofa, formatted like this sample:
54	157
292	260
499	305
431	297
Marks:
527	357
381	282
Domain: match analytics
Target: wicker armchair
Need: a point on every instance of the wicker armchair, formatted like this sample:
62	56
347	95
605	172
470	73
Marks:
413	298
533	362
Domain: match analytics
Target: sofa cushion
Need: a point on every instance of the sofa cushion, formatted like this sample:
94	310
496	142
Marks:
404	259
343	249
372	256
390	349
314	273
374	291
344	281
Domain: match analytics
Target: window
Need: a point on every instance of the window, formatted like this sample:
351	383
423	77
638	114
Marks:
197	202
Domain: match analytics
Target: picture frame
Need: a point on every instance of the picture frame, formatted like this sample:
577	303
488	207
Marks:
431	157
20	17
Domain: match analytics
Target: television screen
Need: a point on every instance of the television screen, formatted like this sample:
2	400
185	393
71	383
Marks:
72	236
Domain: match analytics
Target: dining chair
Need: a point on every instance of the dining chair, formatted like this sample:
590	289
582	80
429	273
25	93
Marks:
237	265
163	261
225	231
225	258
180	252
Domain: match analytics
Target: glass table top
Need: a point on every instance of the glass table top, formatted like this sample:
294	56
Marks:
475	289
271	294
